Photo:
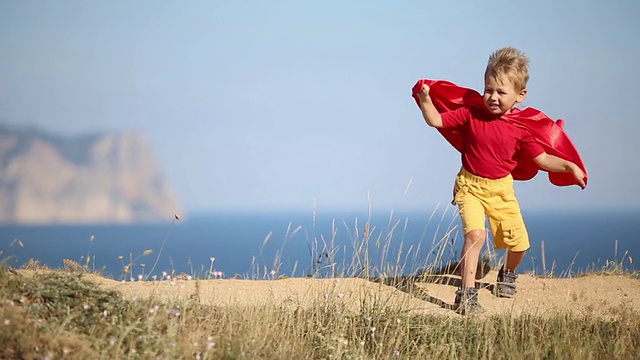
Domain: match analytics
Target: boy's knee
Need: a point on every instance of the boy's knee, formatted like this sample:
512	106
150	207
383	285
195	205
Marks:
475	236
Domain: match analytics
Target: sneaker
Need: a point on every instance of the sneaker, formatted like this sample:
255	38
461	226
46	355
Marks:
506	283
466	302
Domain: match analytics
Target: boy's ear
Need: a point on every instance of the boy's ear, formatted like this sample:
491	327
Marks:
522	95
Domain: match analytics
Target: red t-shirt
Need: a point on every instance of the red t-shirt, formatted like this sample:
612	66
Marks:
490	143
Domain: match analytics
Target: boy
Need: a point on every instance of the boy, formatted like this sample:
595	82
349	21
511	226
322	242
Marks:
498	143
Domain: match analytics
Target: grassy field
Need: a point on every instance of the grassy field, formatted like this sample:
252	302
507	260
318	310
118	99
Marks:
62	315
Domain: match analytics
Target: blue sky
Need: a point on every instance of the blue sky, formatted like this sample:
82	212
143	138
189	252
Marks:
277	104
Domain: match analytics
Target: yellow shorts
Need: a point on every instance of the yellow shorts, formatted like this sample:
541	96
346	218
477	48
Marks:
477	196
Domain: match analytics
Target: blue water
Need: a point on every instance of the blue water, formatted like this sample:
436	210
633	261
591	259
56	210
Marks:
573	242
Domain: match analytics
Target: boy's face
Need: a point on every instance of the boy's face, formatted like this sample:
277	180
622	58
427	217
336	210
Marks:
501	96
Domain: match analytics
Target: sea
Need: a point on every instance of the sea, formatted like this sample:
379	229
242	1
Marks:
268	245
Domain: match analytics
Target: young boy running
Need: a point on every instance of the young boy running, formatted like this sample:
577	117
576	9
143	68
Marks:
498	143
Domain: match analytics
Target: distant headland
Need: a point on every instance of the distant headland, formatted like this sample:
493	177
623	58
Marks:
95	178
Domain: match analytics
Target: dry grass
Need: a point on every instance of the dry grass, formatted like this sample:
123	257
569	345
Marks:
59	314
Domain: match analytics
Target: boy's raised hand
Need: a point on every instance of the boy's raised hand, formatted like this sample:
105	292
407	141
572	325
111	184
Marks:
423	94
420	93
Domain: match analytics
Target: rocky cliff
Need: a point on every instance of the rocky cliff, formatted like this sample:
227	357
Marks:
115	178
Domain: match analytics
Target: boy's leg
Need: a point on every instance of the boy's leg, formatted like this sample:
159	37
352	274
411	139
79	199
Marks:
514	258
509	232
466	301
473	242
472	213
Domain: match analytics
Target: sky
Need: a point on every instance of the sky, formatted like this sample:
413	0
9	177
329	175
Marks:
296	105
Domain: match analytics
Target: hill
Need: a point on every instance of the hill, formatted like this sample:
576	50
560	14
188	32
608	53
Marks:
594	295
95	178
60	314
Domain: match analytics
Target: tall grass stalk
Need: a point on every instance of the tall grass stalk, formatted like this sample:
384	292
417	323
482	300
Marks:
164	239
361	248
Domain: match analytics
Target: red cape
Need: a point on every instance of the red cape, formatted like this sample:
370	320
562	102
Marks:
447	96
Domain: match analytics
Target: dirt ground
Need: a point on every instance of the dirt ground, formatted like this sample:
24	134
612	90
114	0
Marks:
598	295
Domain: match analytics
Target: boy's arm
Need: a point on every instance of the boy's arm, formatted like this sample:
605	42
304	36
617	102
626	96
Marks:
429	111
556	164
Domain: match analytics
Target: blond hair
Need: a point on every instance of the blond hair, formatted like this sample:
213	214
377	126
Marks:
509	64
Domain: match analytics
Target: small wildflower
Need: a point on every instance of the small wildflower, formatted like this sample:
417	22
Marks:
143	266
140	277
174	312
112	341
120	257
396	352
105	313
154	277
85	306
325	296
210	345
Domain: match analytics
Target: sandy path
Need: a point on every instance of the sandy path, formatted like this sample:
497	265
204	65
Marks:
594	294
